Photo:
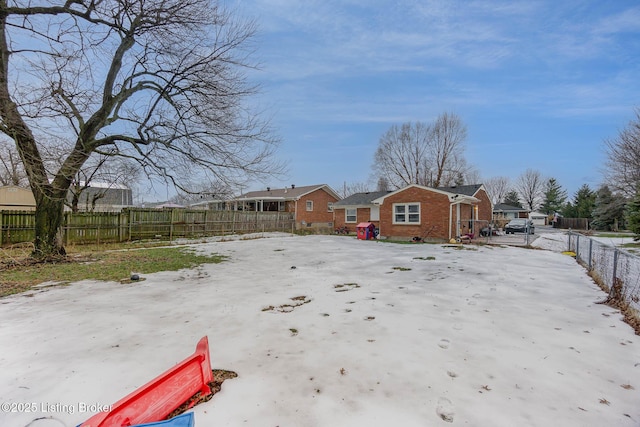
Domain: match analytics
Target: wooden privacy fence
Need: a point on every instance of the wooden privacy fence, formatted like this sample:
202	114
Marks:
144	224
573	223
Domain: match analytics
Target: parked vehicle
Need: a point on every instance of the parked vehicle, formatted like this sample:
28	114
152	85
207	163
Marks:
520	225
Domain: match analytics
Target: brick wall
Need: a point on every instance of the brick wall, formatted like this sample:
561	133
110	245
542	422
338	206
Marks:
362	215
485	209
434	214
320	215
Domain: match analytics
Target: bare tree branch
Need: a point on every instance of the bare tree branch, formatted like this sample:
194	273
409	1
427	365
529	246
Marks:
497	188
159	82
622	167
11	169
530	187
429	155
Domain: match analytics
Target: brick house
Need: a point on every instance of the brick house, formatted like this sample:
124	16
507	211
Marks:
357	208
312	205
434	213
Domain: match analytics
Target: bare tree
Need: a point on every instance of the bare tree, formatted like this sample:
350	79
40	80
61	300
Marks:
208	191
419	153
530	187
382	185
11	169
497	188
160	82
402	155
352	188
447	149
622	168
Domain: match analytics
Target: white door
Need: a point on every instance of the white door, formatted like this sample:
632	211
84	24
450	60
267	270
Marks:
375	213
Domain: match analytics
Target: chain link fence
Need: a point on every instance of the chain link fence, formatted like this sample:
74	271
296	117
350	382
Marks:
616	270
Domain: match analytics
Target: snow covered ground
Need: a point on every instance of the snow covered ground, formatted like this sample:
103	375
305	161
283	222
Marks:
382	334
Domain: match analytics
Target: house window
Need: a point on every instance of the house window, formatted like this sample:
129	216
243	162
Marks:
281	206
351	215
309	205
330	207
406	213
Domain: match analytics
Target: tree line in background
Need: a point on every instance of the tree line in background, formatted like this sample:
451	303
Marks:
604	209
614	205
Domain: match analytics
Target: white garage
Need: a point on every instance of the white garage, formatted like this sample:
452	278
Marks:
538	218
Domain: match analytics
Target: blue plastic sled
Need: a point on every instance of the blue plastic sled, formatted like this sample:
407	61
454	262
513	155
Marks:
184	420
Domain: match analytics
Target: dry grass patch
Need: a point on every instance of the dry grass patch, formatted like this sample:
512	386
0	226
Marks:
21	274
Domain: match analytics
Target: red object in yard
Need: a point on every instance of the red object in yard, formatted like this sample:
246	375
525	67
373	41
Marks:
366	231
155	400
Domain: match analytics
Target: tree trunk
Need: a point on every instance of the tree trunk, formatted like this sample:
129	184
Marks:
75	198
49	216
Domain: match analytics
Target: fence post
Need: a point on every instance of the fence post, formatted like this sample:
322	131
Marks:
590	251
569	240
615	271
120	214
233	223
1	227
171	226
65	229
578	246
130	223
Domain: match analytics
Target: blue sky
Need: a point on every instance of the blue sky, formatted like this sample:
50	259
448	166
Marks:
539	84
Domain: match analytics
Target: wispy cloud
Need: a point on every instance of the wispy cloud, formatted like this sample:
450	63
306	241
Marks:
334	64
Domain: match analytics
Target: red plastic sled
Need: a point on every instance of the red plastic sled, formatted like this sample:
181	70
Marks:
155	400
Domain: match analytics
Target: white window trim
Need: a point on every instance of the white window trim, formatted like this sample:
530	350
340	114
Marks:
406	214
330	207
309	205
346	215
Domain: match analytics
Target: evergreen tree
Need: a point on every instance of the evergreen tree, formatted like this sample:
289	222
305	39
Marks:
569	211
632	215
608	211
512	198
583	202
554	197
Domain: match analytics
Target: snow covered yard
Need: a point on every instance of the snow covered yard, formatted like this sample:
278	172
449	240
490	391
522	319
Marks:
332	331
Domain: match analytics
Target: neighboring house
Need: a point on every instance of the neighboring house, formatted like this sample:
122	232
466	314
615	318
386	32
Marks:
13	198
357	208
538	218
504	212
434	213
104	197
312	205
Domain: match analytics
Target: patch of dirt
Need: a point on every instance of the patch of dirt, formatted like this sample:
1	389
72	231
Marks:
21	262
345	287
219	376
288	308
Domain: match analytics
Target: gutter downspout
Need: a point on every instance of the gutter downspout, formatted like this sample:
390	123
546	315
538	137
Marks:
450	218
